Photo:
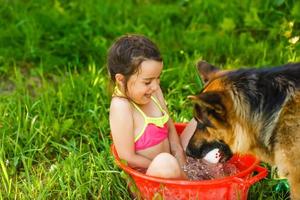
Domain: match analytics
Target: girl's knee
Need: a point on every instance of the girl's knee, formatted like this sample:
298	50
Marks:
164	165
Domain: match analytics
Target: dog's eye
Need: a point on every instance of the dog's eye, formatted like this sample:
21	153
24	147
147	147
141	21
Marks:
198	112
201	117
200	126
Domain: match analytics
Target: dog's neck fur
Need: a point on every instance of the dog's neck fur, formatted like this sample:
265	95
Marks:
257	93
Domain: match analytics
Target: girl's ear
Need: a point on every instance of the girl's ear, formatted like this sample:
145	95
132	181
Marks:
120	79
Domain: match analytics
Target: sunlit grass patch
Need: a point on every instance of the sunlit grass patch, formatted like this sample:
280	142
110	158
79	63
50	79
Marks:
54	87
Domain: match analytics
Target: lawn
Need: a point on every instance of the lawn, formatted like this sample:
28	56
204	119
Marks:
55	90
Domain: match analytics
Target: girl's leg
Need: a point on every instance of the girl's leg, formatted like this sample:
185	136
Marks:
164	165
187	133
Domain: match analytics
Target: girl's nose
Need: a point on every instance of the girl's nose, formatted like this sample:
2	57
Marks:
155	85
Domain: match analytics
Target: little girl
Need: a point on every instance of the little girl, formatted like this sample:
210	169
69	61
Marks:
142	130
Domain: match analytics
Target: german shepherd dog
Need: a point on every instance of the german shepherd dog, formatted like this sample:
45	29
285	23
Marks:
253	111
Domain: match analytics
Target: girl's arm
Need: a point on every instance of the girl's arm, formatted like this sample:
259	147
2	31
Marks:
187	133
121	124
175	145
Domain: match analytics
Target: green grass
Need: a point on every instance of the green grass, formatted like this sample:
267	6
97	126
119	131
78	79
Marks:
55	93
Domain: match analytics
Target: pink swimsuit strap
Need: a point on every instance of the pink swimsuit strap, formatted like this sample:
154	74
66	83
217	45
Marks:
155	129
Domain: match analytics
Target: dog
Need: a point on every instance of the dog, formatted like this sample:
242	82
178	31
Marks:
253	111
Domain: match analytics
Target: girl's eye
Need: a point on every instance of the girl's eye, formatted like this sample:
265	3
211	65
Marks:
147	83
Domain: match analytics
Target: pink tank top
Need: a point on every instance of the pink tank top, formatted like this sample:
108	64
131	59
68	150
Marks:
155	129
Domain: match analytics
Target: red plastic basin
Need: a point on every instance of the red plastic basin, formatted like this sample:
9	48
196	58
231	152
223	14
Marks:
231	187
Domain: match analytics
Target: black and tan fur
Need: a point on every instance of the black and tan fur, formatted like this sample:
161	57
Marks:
254	111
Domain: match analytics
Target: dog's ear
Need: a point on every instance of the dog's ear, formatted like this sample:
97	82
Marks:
206	70
209	103
200	113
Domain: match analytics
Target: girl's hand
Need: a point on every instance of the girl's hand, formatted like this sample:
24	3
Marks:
178	153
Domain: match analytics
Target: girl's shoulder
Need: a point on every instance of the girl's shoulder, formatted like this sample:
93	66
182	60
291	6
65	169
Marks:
120	105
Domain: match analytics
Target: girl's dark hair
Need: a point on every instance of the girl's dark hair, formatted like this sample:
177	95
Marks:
128	52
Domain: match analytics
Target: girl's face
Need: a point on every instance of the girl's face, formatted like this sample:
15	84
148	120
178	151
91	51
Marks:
144	82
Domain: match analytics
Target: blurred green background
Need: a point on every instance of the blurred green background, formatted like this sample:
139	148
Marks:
55	91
